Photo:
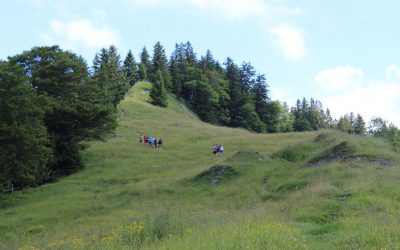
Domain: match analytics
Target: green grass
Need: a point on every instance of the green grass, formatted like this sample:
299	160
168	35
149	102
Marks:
130	196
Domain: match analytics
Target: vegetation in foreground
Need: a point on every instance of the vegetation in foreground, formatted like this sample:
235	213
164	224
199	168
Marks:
308	190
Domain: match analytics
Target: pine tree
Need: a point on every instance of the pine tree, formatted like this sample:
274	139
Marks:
158	93
344	124
273	116
207	62
189	54
247	77
130	68
111	76
287	119
329	120
261	98
76	107
145	63
160	63
359	125
142	72
234	91
26	153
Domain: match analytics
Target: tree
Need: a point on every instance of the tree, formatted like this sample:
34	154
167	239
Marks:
189	54
248	118
378	127
301	115
160	63
26	153
344	124
261	98
207	62
142	72
158	93
145	63
359	125
286	118
329	123
110	76
130	68
76	107
248	77
273	116
237	99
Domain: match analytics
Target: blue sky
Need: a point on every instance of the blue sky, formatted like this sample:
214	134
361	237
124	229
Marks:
344	53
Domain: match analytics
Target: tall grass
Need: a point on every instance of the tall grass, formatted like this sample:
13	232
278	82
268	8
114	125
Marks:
130	196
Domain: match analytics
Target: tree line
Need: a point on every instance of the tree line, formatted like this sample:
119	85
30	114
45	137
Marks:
52	102
235	95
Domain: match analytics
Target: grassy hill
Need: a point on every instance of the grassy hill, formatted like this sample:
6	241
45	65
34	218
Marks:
309	190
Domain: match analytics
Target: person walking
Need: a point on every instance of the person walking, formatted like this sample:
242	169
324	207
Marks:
221	150
215	149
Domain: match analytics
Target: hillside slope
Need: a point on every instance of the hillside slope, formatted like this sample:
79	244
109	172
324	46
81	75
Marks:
279	191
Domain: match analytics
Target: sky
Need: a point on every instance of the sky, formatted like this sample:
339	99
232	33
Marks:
344	53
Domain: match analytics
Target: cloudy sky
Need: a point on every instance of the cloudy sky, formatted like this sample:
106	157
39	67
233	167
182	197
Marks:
344	53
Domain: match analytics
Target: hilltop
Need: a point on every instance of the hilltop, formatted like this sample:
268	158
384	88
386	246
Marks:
281	191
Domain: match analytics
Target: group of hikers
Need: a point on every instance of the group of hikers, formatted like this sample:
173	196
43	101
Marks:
151	141
218	150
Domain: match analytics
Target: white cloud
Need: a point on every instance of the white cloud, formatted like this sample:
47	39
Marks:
393	72
291	41
339	78
36	2
232	9
81	32
353	93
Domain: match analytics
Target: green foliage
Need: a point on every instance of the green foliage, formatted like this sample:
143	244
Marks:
76	109
111	76
26	153
160	63
130	69
158	93
309	115
142	72
344	124
145	66
359	125
273	116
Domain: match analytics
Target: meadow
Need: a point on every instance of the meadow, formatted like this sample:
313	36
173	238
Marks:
311	190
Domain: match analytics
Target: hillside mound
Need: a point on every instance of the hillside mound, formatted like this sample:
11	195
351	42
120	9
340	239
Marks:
338	152
326	138
294	153
348	152
215	175
241	156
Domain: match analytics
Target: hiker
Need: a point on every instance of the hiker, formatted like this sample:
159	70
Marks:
221	150
160	143
146	140
155	142
140	138
151	139
215	149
